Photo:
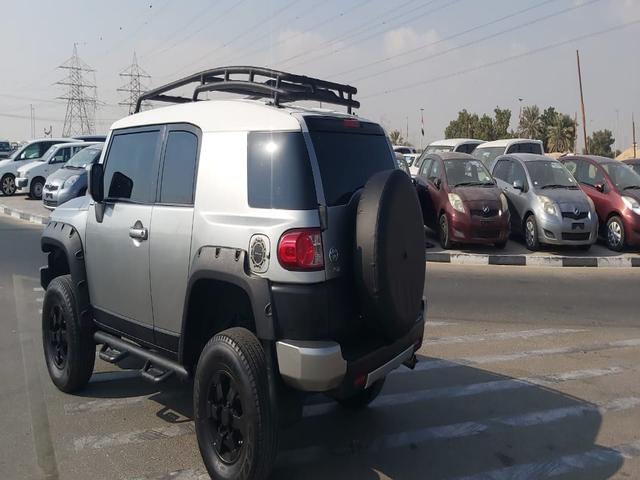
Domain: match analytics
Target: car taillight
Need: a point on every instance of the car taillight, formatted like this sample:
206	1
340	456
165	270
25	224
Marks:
351	123
301	249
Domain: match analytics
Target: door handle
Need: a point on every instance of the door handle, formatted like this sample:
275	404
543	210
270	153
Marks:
139	233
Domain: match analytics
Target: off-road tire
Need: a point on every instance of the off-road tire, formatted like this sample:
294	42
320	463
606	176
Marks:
531	240
234	354
34	192
8	184
362	398
614	228
60	318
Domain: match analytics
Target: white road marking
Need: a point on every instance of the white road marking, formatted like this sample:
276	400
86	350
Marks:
439	324
481	337
460	430
457	391
100	405
39	299
38	289
564	465
187	474
127	438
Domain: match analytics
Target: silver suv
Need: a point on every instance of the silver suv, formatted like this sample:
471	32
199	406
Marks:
263	250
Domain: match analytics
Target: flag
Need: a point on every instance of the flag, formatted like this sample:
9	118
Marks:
422	122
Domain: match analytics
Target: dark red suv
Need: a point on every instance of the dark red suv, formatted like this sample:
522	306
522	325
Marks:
460	200
614	188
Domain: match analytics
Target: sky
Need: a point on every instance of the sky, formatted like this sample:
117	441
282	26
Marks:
402	55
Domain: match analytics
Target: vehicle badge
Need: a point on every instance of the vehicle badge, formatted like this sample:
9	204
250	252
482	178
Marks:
485	209
334	255
259	253
576	211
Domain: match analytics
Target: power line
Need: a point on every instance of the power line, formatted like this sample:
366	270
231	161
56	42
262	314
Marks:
476	41
445	39
504	60
137	82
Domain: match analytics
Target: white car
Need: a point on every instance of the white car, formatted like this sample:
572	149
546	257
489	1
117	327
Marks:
24	155
32	176
462	145
489	151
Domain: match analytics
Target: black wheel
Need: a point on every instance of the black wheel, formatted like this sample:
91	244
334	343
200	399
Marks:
235	425
443	232
363	397
615	234
35	190
69	348
501	245
531	233
8	184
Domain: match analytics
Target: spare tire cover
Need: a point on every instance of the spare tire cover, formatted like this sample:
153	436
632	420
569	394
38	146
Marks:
389	253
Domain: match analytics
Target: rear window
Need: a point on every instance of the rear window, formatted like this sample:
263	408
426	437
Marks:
5	147
279	172
349	153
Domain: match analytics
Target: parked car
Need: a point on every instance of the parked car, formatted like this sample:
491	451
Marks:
29	152
489	151
462	145
547	205
71	180
262	250
614	188
5	149
32	176
633	163
460	200
403	149
402	163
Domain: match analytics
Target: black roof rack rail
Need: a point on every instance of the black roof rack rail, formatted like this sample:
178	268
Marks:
282	87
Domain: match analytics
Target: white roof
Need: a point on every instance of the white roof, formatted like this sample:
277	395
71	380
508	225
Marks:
452	142
47	139
507	141
73	144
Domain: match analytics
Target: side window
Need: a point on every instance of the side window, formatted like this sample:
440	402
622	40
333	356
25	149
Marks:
44	146
62	155
572	166
519	174
129	164
179	168
501	170
424	168
515	148
32	151
436	171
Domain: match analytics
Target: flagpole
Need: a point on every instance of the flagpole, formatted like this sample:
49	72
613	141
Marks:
421	126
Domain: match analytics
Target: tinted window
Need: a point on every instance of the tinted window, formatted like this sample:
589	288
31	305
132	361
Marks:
347	160
178	172
532	147
502	170
5	147
279	172
129	166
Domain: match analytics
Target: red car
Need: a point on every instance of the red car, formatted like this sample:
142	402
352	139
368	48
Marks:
614	188
460	200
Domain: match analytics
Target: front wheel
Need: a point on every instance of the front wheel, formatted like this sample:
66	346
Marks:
8	184
615	234
531	233
235	425
35	190
445	238
362	398
69	349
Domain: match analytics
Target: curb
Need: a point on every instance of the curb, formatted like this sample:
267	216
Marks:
20	215
532	261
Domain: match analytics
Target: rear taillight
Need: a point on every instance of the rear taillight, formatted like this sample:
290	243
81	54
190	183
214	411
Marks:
301	249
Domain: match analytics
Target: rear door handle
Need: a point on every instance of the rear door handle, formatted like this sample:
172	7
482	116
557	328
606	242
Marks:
139	233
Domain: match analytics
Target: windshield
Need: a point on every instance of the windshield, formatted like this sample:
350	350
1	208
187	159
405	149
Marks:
488	154
467	173
550	174
622	176
438	149
5	147
84	157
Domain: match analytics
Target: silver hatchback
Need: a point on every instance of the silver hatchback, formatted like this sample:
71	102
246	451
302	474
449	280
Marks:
547	206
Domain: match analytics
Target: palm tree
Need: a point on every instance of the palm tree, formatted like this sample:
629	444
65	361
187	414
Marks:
531	125
561	134
396	137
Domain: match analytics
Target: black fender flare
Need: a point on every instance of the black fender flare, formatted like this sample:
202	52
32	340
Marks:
230	265
64	237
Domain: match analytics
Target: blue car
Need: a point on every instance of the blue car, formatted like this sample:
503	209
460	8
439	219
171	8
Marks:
71	180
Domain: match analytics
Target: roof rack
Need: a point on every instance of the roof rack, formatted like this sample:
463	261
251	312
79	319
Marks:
282	87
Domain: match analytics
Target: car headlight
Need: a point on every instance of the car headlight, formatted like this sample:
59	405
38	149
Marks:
547	205
505	204
632	204
456	202
70	181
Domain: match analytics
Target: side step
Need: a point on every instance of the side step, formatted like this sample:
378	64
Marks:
156	368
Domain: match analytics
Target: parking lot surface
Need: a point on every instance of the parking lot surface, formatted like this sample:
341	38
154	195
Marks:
539	386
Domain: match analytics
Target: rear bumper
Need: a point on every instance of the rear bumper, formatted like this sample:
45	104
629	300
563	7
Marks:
321	366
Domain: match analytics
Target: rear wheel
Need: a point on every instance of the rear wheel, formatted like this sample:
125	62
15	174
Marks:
35	190
236	429
8	184
531	233
443	230
362	398
615	234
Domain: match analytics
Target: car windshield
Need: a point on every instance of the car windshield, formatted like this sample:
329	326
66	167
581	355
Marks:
623	176
84	157
467	173
550	174
438	149
5	147
488	154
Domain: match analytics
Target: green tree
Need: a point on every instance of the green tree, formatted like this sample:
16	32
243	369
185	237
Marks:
560	134
501	123
548	118
531	125
600	143
470	125
396	138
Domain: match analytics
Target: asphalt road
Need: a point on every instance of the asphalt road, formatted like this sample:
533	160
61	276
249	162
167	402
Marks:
524	373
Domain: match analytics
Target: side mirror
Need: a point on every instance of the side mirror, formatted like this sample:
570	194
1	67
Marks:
599	187
438	183
96	182
518	185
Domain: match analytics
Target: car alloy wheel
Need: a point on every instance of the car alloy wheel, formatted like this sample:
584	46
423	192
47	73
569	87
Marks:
227	417
37	190
615	234
445	242
8	185
530	232
57	336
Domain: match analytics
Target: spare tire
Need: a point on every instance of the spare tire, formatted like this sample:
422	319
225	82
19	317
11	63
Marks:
389	253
